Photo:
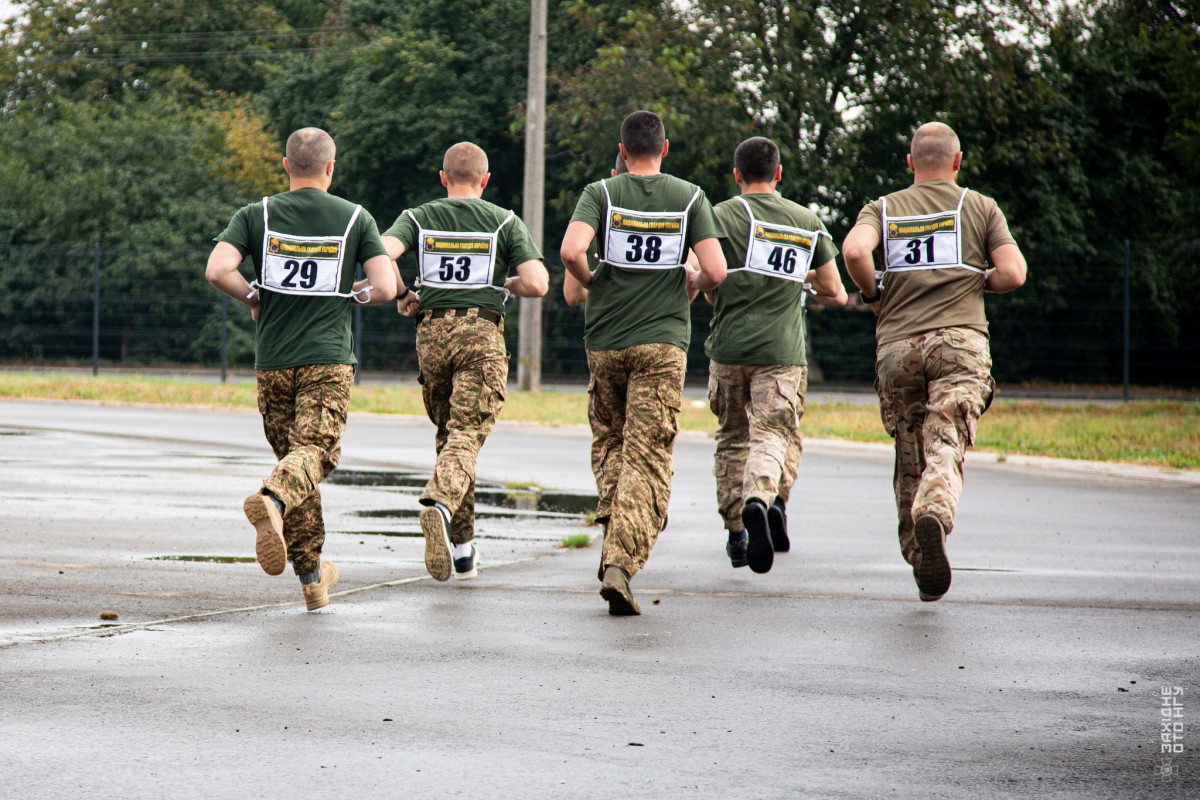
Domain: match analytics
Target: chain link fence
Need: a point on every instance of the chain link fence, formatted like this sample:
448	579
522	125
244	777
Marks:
115	306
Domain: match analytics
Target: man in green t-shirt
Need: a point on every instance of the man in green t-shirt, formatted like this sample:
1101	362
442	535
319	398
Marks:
465	248
637	324
933	363
304	244
757	369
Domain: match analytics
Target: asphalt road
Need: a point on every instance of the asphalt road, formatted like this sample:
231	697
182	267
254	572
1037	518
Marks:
1074	606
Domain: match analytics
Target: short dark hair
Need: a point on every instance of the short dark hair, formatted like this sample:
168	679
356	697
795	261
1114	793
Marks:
757	159
643	134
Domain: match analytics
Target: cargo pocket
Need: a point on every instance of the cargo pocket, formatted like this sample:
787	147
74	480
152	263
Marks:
671	398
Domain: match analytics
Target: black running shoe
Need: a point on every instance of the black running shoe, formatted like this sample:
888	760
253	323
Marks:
760	553
735	548
467	566
777	523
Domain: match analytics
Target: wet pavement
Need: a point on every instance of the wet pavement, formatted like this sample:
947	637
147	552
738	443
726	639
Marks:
1041	674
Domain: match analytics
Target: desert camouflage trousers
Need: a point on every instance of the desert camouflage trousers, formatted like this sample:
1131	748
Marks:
304	416
634	398
758	410
933	388
464	375
791	464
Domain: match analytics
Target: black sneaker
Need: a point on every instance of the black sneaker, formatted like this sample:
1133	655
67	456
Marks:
615	589
933	574
777	523
467	567
735	548
760	553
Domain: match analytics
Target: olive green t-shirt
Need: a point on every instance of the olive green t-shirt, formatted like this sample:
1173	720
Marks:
627	307
758	319
924	300
514	246
294	330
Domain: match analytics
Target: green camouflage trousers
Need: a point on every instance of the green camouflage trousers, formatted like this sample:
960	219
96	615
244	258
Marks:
758	423
634	398
464	374
304	415
791	464
933	388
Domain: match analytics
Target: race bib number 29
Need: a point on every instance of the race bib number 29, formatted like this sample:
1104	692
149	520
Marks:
299	265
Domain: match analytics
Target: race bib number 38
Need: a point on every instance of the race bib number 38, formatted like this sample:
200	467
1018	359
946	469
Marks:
922	242
457	260
300	265
644	241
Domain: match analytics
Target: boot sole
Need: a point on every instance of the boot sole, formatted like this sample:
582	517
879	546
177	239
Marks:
322	600
439	558
269	547
933	576
620	604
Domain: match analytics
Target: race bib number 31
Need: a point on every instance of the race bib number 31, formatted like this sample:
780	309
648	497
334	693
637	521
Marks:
916	242
299	265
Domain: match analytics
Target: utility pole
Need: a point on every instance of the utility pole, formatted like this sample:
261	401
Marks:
529	334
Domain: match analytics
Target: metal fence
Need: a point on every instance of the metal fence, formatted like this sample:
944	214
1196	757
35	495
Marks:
1078	320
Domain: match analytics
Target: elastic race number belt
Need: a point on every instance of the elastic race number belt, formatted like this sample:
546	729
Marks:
482	313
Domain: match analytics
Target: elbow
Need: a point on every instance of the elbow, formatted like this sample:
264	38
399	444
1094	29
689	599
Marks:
539	285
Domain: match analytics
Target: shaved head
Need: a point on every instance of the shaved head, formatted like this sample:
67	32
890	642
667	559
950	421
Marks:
465	163
308	151
934	147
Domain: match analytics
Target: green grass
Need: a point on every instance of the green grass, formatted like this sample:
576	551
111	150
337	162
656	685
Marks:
576	541
1152	433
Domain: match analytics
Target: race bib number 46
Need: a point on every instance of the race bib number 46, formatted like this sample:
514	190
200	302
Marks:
780	251
300	265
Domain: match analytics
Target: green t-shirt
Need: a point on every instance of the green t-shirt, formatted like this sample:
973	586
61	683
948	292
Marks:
627	307
758	319
458	259
294	330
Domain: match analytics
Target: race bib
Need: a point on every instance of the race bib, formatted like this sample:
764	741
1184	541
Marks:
303	264
780	251
451	260
925	242
641	240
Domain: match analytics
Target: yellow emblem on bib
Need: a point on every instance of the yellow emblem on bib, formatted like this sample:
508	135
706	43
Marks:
616	220
893	230
429	242
273	245
759	232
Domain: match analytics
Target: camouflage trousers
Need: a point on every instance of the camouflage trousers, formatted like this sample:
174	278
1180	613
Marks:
634	398
791	464
304	415
464	375
758	410
933	388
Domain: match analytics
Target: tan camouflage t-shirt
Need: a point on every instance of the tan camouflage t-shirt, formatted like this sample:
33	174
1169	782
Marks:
922	300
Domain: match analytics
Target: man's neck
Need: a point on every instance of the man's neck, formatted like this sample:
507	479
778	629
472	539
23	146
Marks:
645	166
308	183
921	177
766	187
460	191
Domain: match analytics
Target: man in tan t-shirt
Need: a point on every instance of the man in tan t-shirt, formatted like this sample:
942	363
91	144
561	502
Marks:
933	365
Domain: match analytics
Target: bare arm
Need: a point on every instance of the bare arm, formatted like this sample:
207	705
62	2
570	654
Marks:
381	277
222	272
394	247
573	291
574	247
1008	272
827	283
712	265
857	249
531	279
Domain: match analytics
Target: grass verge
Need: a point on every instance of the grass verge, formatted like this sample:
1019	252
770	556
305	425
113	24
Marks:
1151	433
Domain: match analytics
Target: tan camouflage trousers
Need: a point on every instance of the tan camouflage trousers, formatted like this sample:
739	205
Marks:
933	388
791	464
304	415
634	399
464	375
758	411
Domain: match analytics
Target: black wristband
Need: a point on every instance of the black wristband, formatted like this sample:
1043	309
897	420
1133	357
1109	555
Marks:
870	300
403	294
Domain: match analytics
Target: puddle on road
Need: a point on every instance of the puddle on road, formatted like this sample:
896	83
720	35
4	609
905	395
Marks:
207	559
